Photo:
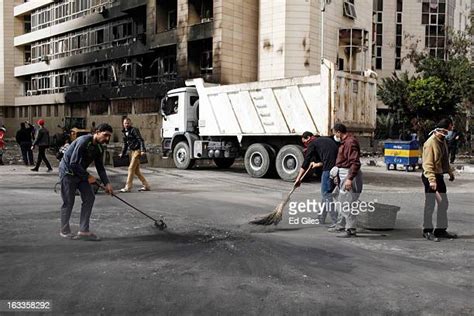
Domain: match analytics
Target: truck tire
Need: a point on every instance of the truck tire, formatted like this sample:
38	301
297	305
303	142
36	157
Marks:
224	163
182	156
259	160
289	161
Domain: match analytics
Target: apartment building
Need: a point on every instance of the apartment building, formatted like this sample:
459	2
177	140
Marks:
7	81
400	25
290	42
99	60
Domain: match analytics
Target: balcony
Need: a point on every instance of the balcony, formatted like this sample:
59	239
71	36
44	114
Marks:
201	31
132	4
163	39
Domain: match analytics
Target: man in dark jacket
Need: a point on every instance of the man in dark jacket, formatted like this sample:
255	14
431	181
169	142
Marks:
42	141
134	144
322	152
74	176
454	138
24	139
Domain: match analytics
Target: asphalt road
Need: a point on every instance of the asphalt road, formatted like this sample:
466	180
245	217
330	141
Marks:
211	261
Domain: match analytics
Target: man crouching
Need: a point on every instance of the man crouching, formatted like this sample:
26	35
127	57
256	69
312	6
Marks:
74	176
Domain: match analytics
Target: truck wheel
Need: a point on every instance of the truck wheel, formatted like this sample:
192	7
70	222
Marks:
182	156
289	161
259	160
224	163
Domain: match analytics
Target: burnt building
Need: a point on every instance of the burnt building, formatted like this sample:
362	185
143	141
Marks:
100	60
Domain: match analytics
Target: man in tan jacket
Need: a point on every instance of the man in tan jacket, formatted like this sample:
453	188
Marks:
435	164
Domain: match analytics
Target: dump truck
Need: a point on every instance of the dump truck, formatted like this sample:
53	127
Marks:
263	121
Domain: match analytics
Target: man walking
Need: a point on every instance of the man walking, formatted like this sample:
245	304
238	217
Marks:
42	141
350	177
453	139
133	142
3	130
435	164
321	152
23	138
74	176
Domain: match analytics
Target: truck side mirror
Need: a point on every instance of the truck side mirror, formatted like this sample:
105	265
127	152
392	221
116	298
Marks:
162	106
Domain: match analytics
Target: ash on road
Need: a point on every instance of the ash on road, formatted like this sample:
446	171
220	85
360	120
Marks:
210	261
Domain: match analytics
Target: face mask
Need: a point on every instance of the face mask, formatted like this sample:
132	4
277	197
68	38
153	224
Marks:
450	134
337	139
442	131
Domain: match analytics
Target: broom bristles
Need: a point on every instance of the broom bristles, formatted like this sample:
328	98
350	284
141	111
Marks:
277	215
271	219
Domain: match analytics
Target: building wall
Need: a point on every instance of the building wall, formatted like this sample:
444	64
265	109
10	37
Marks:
414	30
7	80
236	39
290	35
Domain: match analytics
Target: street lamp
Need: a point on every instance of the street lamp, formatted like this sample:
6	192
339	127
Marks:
323	4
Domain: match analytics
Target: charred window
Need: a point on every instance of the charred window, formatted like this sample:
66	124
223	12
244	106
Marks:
166	15
200	11
99	108
200	59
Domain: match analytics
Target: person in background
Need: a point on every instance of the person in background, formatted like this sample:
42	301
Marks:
23	138
31	129
135	145
3	130
435	165
454	138
42	141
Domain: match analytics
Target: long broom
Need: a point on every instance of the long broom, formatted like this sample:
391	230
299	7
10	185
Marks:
276	216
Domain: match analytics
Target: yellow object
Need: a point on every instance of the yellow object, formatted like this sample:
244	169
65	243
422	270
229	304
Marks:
402	152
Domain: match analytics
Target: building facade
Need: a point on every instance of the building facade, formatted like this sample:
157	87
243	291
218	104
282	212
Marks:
7	54
290	42
99	60
400	25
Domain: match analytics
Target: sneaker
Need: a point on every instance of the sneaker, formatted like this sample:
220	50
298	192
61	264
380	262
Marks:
430	236
68	235
336	229
86	237
125	190
445	234
144	189
349	233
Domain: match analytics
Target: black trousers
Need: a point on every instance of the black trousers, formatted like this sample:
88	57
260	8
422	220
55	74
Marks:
42	157
431	200
27	153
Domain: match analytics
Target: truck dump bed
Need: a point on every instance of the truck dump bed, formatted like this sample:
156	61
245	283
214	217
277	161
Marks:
288	106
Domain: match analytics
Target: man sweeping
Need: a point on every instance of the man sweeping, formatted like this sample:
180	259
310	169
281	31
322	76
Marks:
74	176
320	152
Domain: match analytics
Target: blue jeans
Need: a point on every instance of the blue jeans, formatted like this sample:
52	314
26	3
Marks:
327	186
69	184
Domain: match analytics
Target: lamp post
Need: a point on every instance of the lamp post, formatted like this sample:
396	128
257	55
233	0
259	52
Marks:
323	4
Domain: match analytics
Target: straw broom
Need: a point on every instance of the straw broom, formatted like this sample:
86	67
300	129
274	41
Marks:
276	216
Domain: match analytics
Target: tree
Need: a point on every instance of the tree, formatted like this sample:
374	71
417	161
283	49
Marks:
439	87
427	98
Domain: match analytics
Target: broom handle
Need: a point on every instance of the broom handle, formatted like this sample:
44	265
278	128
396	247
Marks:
136	209
294	187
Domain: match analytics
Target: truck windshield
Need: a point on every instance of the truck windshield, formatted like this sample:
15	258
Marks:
170	106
